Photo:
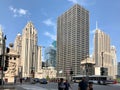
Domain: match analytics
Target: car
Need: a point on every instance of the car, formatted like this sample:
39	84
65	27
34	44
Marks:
37	80
43	81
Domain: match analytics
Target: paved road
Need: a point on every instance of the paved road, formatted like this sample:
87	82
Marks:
53	86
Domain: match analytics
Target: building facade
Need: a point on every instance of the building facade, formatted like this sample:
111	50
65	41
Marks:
13	68
72	40
1	41
29	50
49	72
87	66
102	52
39	64
50	56
26	46
118	69
114	61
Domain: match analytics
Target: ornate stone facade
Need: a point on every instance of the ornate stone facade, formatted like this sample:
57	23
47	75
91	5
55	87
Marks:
12	70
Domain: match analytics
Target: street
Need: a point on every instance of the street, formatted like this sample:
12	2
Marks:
53	86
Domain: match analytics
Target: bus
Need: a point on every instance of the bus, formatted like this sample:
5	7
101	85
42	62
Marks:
96	79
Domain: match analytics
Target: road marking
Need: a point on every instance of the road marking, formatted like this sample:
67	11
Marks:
30	87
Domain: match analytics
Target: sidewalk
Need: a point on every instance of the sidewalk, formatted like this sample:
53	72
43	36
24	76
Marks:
2	87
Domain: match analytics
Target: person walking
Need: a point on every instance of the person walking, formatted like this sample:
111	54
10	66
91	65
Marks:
83	85
90	85
15	80
67	85
61	85
20	80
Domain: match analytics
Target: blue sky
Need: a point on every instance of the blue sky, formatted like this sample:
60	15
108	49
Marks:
14	15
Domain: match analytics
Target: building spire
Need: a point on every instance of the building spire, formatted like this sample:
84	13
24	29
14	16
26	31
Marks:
96	25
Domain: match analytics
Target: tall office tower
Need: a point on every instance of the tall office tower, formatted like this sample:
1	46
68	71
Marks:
50	56
1	41
101	44
18	43
72	40
1	50
102	52
39	64
29	51
114	61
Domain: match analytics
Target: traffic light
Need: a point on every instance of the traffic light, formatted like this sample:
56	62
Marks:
102	71
7	50
0	60
71	72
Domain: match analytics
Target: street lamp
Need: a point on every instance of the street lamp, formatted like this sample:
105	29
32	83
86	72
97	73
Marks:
102	69
86	67
32	68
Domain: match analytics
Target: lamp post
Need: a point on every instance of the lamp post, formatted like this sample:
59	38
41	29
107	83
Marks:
71	73
102	69
32	68
86	67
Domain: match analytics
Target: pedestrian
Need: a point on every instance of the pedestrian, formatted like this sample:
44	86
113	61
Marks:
20	80
90	85
61	85
67	85
15	80
83	85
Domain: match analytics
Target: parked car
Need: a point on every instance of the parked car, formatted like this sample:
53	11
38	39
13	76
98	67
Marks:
43	81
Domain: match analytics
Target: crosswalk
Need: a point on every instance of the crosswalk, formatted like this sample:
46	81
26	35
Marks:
33	87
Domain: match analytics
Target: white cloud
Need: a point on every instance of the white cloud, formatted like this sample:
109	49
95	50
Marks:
49	22
18	12
22	11
53	37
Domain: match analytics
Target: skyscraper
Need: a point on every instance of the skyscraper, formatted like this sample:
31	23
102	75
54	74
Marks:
104	54
114	61
50	56
18	43
72	40
101	44
1	41
29	51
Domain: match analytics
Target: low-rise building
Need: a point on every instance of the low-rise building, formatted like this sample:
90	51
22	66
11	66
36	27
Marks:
46	72
12	70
